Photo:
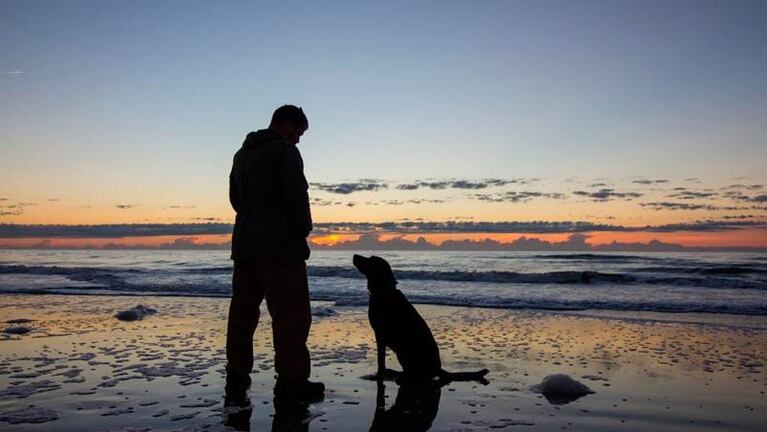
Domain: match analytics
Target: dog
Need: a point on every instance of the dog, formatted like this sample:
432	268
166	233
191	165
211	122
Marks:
397	325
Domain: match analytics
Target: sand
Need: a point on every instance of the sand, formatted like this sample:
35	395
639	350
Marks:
80	368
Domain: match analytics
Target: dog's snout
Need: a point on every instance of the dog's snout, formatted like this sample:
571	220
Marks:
360	262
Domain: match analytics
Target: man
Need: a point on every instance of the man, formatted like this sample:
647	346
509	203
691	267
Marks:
268	191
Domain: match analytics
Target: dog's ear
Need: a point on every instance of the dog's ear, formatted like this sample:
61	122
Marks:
382	270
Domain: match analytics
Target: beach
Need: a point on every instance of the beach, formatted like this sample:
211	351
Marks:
80	368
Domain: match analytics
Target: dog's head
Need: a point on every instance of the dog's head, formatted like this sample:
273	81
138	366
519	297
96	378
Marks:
377	270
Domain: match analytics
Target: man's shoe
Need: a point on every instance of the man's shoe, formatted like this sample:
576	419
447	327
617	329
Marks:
237	385
305	391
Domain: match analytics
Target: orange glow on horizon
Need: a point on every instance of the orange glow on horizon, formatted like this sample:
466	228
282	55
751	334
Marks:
328	240
735	238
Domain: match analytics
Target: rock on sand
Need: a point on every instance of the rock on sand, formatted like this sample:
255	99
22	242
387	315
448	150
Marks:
560	389
135	314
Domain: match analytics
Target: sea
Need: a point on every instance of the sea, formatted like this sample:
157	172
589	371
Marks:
717	283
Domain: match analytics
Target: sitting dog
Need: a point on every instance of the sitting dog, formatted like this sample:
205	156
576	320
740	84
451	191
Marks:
397	325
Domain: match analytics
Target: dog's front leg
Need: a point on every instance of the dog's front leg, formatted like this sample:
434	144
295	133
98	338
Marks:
383	373
381	358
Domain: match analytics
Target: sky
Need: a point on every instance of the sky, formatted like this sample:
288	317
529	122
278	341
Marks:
632	114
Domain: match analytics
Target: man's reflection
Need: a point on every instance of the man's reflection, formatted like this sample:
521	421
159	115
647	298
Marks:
289	415
414	408
237	412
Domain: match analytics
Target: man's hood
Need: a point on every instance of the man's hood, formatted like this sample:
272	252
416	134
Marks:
260	137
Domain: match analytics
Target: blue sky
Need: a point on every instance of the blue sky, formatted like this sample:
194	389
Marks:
145	102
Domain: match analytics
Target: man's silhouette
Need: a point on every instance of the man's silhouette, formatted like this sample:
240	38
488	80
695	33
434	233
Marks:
268	191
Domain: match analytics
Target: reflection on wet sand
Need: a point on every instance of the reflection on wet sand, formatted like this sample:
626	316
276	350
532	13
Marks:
289	415
414	409
237	414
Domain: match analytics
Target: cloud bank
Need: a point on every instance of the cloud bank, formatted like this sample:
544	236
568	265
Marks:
405	227
575	242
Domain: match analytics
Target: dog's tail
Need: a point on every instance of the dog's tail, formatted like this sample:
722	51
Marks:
464	376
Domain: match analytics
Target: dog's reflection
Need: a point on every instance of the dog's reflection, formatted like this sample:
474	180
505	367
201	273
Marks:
290	416
414	409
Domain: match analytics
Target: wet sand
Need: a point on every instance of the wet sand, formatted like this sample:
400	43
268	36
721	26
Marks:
79	368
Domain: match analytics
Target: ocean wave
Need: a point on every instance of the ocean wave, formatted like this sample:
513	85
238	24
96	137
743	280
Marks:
705	270
356	300
594	257
698	277
65	271
554	277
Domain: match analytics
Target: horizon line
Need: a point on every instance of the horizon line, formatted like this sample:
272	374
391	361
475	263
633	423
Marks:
576	242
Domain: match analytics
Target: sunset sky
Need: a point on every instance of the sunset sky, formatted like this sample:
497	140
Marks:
640	119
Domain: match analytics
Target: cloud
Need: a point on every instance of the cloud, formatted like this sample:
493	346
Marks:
347	188
14	72
12	209
744	186
437	185
373	242
665	205
515	196
425	201
737	195
463	184
179	207
126	206
113	230
323	202
647	182
688	194
192	243
608	195
408	186
740	217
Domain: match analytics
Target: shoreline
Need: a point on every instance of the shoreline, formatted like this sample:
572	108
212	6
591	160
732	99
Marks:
757	321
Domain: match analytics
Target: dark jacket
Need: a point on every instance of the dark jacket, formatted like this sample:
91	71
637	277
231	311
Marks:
269	192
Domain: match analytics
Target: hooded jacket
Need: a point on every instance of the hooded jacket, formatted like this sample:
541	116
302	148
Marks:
269	193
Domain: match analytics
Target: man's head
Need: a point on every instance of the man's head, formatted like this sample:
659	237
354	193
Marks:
290	122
